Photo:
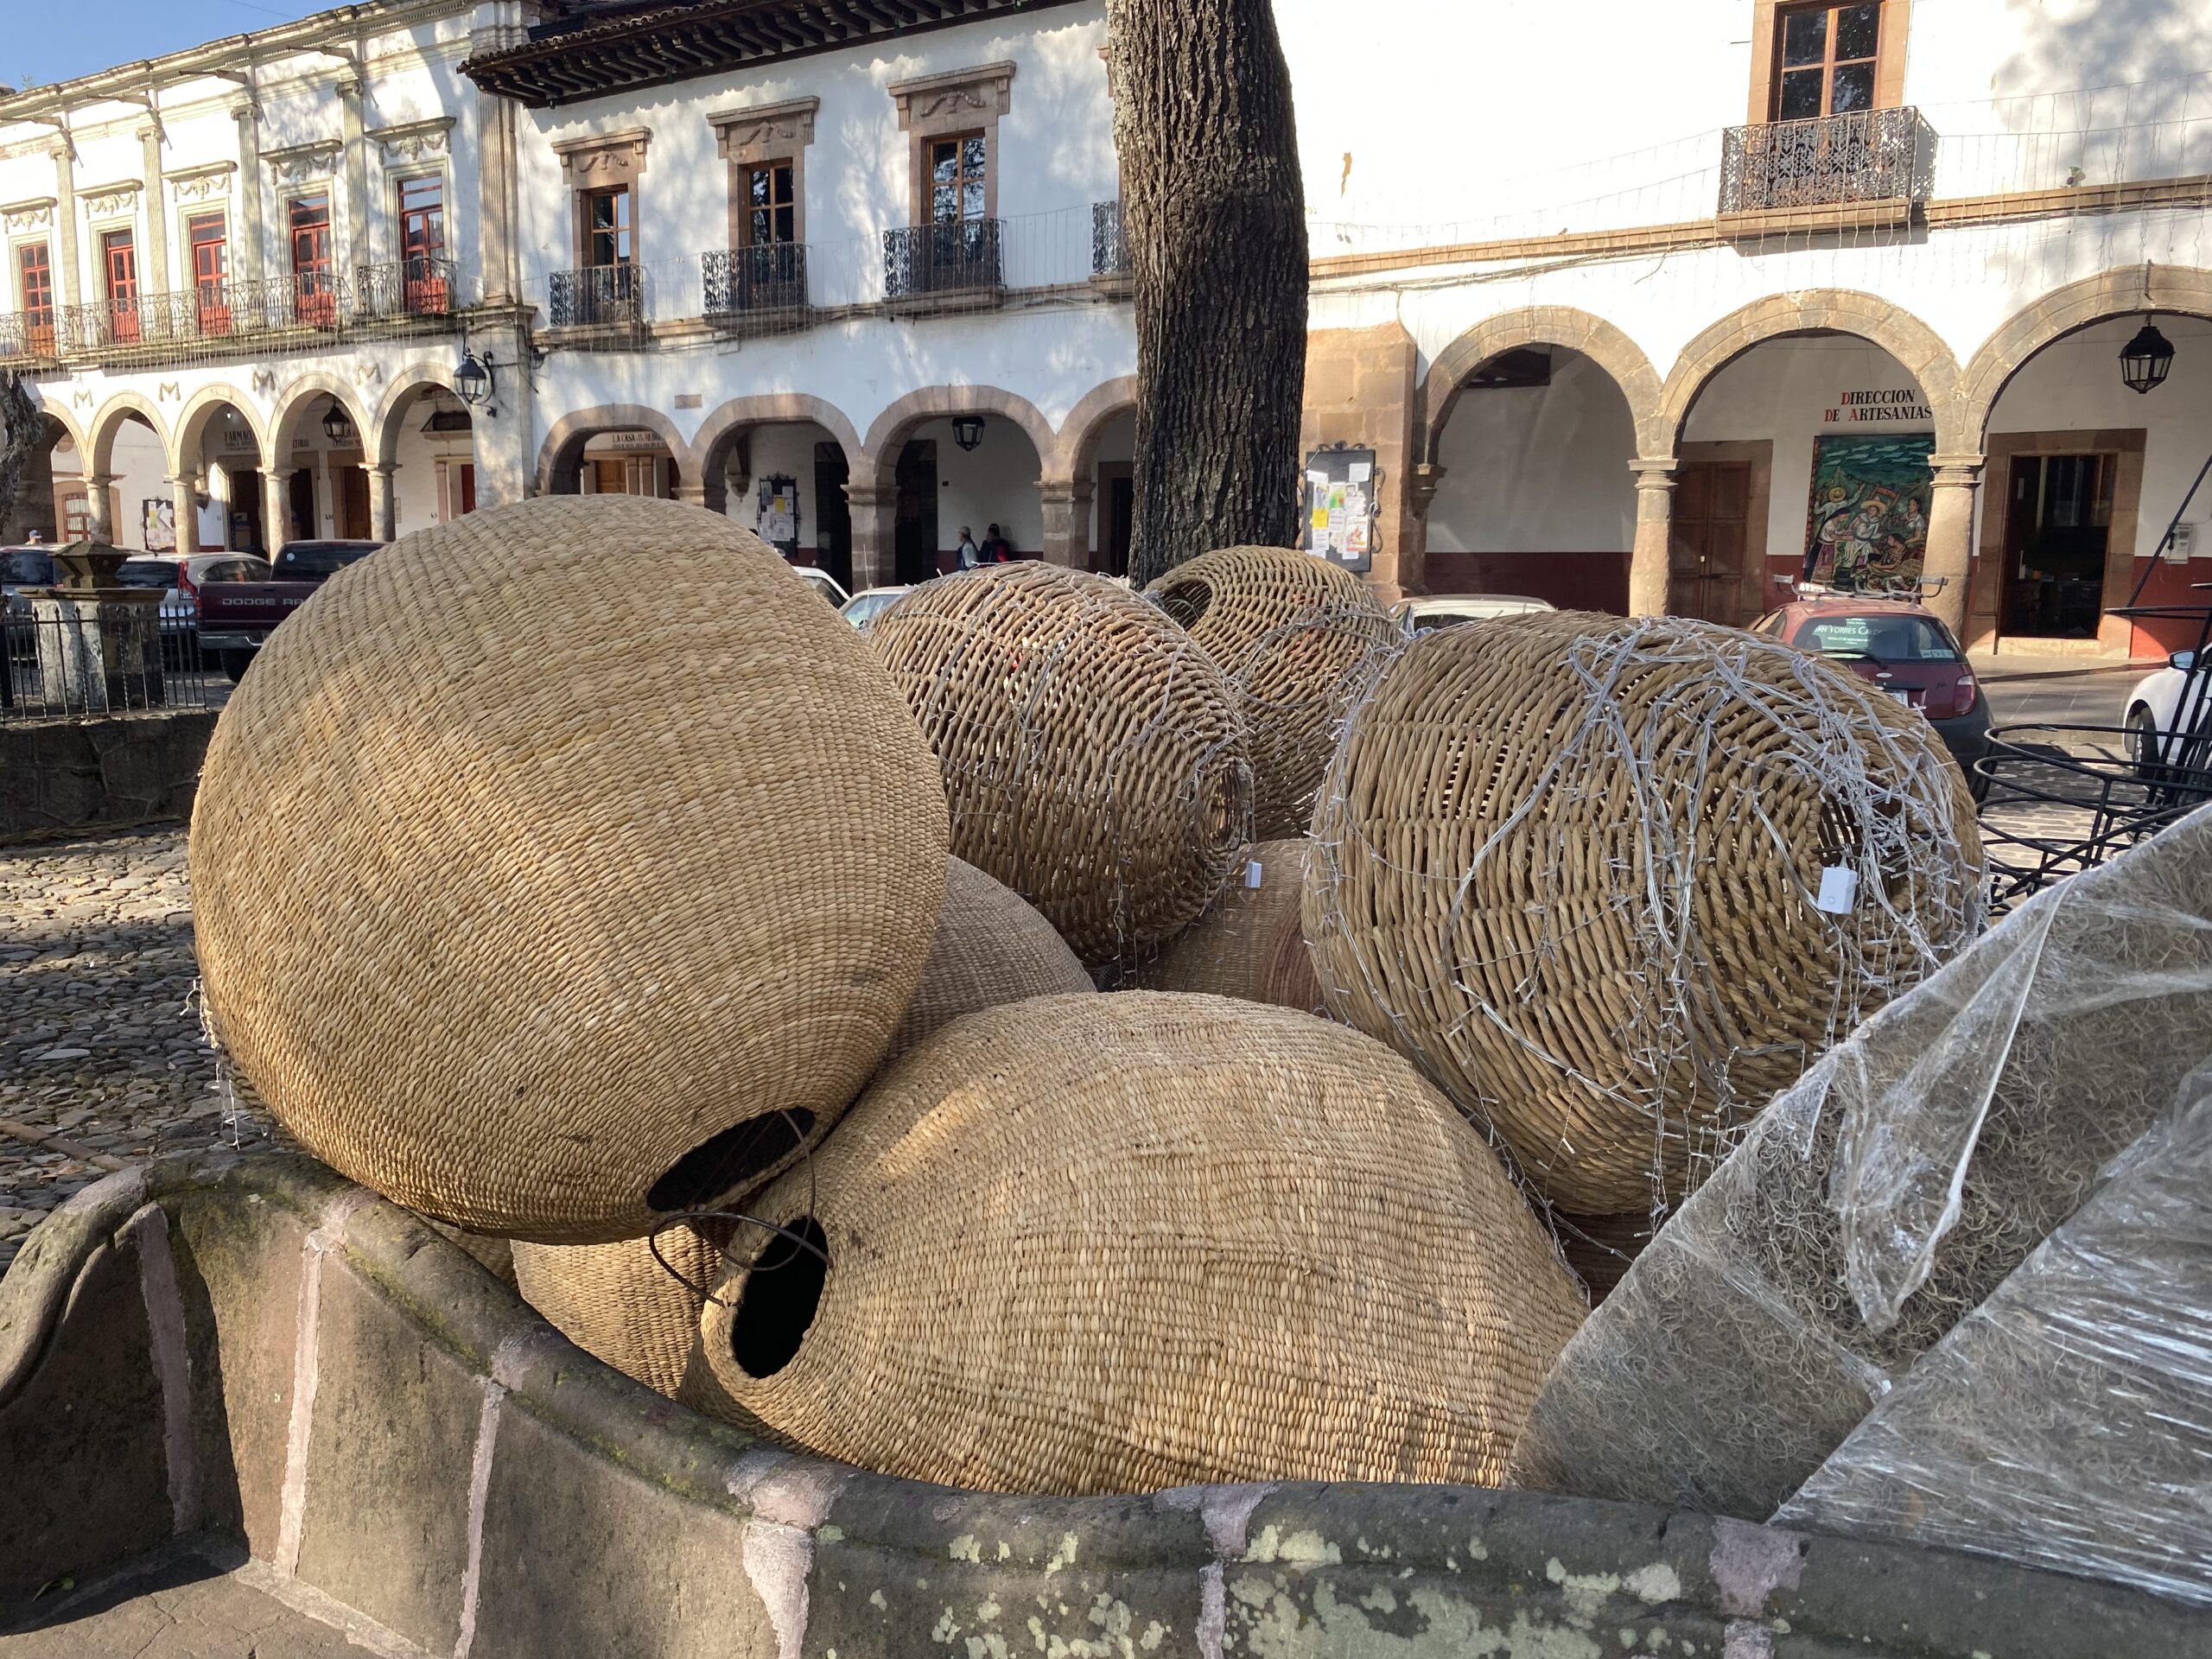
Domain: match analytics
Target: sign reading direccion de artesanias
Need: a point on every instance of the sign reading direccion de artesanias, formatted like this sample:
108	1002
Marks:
1855	408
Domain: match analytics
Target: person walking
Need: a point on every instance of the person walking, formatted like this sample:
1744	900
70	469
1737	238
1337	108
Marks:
968	555
995	551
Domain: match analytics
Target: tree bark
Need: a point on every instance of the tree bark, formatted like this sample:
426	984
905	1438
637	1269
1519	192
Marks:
1214	221
20	430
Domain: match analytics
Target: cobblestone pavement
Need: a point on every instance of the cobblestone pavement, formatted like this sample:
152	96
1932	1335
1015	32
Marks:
99	1034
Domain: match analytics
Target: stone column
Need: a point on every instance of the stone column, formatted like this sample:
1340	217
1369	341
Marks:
276	512
495	146
154	271
184	494
99	506
1067	521
68	280
1423	479
690	489
355	156
876	547
1654	515
246	253
1950	538
384	502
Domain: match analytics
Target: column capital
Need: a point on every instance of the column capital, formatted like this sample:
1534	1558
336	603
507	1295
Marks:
100	480
379	468
1957	471
1655	472
861	492
1063	491
1423	479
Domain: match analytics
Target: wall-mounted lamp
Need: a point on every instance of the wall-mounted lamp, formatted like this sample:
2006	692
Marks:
968	430
471	379
2147	361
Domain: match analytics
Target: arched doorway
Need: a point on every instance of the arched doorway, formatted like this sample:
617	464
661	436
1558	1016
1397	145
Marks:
1805	458
2082	477
425	463
219	451
54	461
615	449
1112	493
1535	492
943	459
781	464
323	489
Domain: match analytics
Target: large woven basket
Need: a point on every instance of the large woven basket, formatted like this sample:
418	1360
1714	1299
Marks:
991	947
617	1303
1252	943
1572	865
1111	1244
1093	755
548	921
1300	639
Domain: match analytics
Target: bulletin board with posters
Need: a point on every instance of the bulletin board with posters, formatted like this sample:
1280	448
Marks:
1340	507
1866	529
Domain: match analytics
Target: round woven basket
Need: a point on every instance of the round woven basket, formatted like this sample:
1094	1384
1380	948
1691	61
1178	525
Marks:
1092	753
1573	866
1301	639
1112	1243
1252	943
618	1304
991	947
549	922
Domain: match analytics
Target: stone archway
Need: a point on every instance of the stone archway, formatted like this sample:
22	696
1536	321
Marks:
101	478
190	465
1546	325
874	491
561	456
1069	485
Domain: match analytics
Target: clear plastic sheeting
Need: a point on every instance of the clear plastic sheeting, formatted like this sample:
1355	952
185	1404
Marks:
1882	1197
2066	1423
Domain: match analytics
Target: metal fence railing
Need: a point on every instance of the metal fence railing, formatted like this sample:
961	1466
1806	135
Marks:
1864	156
85	659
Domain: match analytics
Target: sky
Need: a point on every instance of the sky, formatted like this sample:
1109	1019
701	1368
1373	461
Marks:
46	40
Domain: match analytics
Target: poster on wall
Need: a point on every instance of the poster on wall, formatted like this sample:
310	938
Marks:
1867	525
1340	507
159	518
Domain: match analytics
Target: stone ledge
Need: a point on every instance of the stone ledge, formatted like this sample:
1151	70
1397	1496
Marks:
68	775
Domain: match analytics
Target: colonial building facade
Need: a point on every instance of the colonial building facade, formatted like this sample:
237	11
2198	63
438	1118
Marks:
1734	293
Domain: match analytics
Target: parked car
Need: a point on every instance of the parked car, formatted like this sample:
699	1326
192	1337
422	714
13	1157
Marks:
237	615
2158	724
869	603
24	567
152	570
822	584
197	568
1444	610
1905	650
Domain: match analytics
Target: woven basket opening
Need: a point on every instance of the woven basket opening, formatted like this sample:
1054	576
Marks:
719	1166
782	1291
1186	600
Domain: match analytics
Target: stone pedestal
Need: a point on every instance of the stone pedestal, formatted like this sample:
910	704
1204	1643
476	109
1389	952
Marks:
99	650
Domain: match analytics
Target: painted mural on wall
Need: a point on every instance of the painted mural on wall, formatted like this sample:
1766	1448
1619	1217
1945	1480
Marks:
1868	526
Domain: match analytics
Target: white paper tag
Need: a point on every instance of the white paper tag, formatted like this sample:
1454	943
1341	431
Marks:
1254	872
1839	890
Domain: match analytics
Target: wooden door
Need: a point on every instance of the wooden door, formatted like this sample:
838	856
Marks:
914	534
353	522
1710	545
833	513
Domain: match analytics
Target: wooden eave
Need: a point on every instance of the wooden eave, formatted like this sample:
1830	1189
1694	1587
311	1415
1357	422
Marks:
653	47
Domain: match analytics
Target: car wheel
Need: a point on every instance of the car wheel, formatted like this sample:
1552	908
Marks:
2142	741
235	663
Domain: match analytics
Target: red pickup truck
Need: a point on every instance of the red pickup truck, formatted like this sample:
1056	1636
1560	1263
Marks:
236	617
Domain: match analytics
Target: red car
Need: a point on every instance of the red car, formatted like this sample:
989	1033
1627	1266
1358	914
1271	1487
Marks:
1903	649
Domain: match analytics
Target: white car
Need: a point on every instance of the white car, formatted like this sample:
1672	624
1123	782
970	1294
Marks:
822	584
1443	610
869	603
2157	722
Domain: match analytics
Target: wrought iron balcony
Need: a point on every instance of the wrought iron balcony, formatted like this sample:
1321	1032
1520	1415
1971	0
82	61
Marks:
957	256
598	296
1109	249
746	283
28	337
1867	155
414	287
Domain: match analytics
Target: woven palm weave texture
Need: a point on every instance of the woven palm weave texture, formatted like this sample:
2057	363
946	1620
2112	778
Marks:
1092	752
1112	1243
1571	865
991	947
620	1304
1252	943
1881	1199
1301	639
548	930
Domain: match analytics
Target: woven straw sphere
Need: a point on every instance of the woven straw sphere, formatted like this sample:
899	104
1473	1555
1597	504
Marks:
1092	755
1568	864
1252	943
549	915
1111	1244
991	947
1300	639
618	1304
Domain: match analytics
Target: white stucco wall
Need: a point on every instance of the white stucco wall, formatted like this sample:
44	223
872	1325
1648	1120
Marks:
1538	469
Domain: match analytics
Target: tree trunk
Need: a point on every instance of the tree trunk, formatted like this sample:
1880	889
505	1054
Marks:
1214	216
20	425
